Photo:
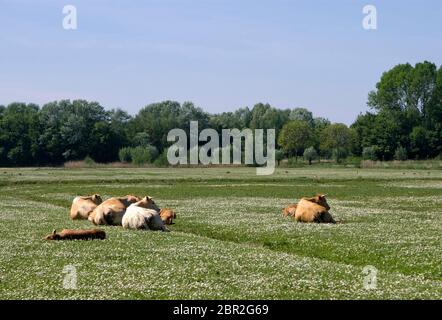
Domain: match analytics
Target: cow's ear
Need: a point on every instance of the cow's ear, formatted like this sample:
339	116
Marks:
54	232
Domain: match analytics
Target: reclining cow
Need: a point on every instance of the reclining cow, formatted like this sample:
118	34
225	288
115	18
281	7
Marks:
143	214
313	209
69	234
83	206
111	211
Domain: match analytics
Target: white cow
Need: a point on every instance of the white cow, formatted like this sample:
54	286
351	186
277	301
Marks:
143	214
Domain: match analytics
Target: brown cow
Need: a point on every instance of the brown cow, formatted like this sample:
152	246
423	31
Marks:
167	215
313	209
111	211
83	206
69	234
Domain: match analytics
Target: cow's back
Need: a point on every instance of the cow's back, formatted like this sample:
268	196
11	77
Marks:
141	218
307	211
81	208
109	212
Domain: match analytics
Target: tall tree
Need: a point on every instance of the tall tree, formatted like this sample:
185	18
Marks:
19	131
302	114
336	138
295	136
68	129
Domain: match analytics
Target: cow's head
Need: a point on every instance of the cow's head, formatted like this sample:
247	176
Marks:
167	215
52	236
148	203
322	201
96	198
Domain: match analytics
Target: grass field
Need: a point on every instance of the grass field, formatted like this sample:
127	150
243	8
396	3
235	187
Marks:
230	240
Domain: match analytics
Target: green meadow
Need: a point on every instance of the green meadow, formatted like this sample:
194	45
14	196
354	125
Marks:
230	240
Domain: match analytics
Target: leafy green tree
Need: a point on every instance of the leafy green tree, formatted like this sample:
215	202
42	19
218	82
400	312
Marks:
310	154
120	122
158	119
294	137
68	129
302	114
263	116
141	139
382	130
337	139
408	101
105	142
19	132
419	139
405	88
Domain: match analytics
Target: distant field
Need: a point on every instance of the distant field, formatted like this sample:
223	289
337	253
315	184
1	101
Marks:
230	240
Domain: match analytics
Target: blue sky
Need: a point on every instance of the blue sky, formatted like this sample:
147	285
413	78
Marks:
220	54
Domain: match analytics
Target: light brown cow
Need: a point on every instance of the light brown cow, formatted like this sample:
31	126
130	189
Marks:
290	210
69	234
313	209
111	211
167	215
83	206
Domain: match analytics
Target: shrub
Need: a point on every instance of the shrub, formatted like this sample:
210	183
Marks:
143	155
401	154
279	155
369	153
162	161
293	163
338	154
89	162
310	154
139	156
125	155
153	152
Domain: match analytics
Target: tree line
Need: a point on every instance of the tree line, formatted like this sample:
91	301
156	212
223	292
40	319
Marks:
405	122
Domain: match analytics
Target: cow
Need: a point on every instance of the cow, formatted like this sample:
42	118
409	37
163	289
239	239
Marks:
83	206
313	209
143	214
167	215
69	234
111	211
290	210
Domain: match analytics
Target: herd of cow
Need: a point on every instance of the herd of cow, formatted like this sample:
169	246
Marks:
132	212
